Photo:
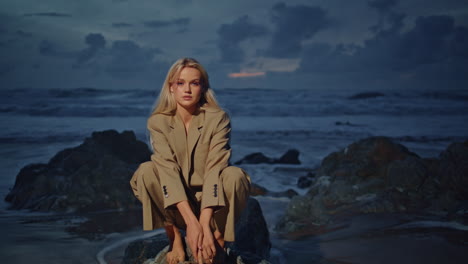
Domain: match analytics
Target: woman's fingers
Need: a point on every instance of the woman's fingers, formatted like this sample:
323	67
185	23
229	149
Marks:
200	240
193	247
213	250
200	256
194	236
170	258
207	254
209	248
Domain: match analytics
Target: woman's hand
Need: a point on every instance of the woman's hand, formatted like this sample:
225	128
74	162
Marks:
208	245
195	238
194	229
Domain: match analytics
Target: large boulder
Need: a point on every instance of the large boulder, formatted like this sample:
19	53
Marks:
252	243
377	175
449	179
256	190
289	157
90	177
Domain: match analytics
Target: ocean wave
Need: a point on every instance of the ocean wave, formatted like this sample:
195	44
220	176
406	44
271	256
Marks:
24	139
69	110
430	139
92	102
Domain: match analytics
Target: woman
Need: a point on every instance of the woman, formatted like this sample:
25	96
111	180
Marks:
188	184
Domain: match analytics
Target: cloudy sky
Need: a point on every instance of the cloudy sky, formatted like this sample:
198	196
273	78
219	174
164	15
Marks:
315	44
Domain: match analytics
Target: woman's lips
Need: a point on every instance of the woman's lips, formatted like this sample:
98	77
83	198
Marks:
187	97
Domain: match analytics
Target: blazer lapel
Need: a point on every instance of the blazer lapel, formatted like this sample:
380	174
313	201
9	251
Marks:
185	144
179	141
194	132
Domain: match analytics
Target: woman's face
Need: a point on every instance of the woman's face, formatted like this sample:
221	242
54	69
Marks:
187	89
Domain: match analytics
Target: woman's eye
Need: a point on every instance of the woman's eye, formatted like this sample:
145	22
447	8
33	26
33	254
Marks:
180	83
196	84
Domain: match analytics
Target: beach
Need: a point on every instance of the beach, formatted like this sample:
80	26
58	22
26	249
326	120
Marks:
271	122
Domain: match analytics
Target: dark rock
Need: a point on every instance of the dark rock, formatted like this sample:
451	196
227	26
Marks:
366	95
376	175
255	158
304	182
453	170
408	174
339	123
252	243
256	189
288	193
139	251
91	177
363	159
252	235
347	123
450	177
290	157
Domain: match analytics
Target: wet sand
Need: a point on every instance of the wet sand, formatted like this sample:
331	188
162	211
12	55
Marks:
372	238
384	238
54	238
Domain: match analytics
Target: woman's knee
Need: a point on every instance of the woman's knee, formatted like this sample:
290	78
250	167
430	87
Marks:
149	172
146	166
235	176
145	171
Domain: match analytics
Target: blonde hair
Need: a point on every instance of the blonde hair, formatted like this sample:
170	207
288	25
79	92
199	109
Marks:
166	104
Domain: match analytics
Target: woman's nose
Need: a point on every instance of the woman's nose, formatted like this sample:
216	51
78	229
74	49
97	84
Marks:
187	88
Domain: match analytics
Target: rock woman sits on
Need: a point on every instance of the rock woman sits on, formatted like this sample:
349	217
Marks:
189	184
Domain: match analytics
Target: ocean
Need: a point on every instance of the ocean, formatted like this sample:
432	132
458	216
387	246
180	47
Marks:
37	123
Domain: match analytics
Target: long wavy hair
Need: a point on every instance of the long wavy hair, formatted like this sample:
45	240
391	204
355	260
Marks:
166	104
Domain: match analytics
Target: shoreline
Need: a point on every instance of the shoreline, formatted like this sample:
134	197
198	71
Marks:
101	255
371	238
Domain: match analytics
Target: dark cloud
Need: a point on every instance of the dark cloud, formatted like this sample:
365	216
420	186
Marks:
128	59
95	42
178	22
293	25
121	25
47	48
382	6
48	14
433	51
13	38
231	35
52	49
22	33
124	59
388	16
6	67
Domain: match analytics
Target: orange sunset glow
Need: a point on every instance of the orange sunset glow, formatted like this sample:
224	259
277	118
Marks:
245	74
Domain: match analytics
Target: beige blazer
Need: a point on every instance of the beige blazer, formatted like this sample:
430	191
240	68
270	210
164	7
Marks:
192	160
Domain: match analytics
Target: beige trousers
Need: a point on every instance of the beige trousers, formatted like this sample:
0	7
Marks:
146	186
